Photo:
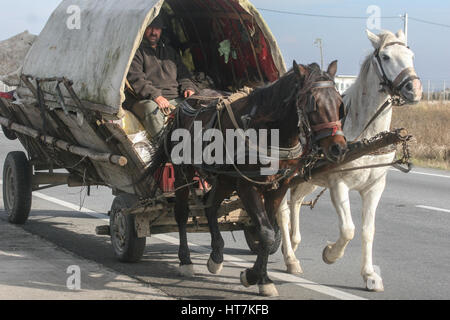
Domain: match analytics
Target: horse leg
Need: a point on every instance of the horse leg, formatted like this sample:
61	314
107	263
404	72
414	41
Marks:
291	214
219	192
298	194
340	198
252	200
181	217
370	199
284	223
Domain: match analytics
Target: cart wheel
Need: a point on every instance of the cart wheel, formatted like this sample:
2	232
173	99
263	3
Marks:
127	246
17	187
253	242
11	135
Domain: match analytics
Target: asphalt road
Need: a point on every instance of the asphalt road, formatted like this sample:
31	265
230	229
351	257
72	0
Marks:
411	246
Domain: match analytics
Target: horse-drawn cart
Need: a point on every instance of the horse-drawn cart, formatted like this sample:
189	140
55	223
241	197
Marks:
67	108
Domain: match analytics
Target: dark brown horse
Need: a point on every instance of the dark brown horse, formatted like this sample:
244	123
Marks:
303	102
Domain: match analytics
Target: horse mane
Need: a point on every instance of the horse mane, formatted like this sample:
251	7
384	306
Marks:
354	91
272	97
269	95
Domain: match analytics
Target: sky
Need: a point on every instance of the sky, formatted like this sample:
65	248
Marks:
344	40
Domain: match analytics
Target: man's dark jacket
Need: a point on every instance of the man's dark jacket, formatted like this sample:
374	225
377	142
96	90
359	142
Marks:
157	72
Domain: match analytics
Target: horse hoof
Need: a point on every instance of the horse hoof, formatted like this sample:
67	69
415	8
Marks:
214	268
244	281
324	255
187	270
374	285
294	268
268	290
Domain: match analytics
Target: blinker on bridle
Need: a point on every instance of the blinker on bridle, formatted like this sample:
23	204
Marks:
393	87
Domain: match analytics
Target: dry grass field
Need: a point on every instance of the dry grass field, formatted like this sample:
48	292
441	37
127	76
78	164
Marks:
429	123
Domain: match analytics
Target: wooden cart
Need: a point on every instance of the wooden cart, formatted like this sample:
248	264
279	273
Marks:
67	111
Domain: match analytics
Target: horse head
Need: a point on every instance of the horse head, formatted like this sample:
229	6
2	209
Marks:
321	104
393	61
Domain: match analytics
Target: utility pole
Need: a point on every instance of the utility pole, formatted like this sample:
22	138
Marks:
428	90
405	27
445	98
319	42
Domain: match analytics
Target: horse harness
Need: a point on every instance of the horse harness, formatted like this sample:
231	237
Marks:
322	130
316	132
283	153
393	87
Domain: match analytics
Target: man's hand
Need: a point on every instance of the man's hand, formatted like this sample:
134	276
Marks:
163	104
188	93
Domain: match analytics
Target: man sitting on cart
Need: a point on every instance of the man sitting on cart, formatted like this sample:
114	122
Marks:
158	78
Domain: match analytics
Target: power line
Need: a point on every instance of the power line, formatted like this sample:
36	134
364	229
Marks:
429	22
322	15
350	17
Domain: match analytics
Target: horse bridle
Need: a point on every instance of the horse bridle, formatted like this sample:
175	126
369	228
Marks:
393	87
322	130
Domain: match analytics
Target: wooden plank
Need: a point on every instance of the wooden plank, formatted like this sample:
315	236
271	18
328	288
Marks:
136	165
231	217
52	101
126	143
363	149
15	112
121	179
115	177
83	133
191	228
84	152
58	128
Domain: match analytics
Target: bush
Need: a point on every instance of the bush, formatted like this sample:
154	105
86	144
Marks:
428	123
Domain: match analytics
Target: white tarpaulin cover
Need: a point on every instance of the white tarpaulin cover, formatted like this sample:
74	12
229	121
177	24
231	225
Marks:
96	57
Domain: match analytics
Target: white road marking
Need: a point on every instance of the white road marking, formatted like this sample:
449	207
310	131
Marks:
425	174
9	254
72	206
433	208
296	280
69	205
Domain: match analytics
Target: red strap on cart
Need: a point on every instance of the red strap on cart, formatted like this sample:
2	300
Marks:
6	95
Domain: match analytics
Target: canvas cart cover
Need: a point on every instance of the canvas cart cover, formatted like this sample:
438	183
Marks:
96	53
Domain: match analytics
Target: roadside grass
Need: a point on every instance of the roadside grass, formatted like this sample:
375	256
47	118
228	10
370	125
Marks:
429	124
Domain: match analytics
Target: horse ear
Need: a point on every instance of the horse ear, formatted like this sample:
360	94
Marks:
401	35
295	68
332	69
373	38
300	70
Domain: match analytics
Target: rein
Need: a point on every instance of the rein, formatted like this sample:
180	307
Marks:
246	177
291	153
226	104
283	153
386	104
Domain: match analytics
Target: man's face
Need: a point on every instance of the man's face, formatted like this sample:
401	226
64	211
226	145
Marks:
153	34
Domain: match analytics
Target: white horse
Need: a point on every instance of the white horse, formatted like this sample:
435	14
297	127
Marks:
386	72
